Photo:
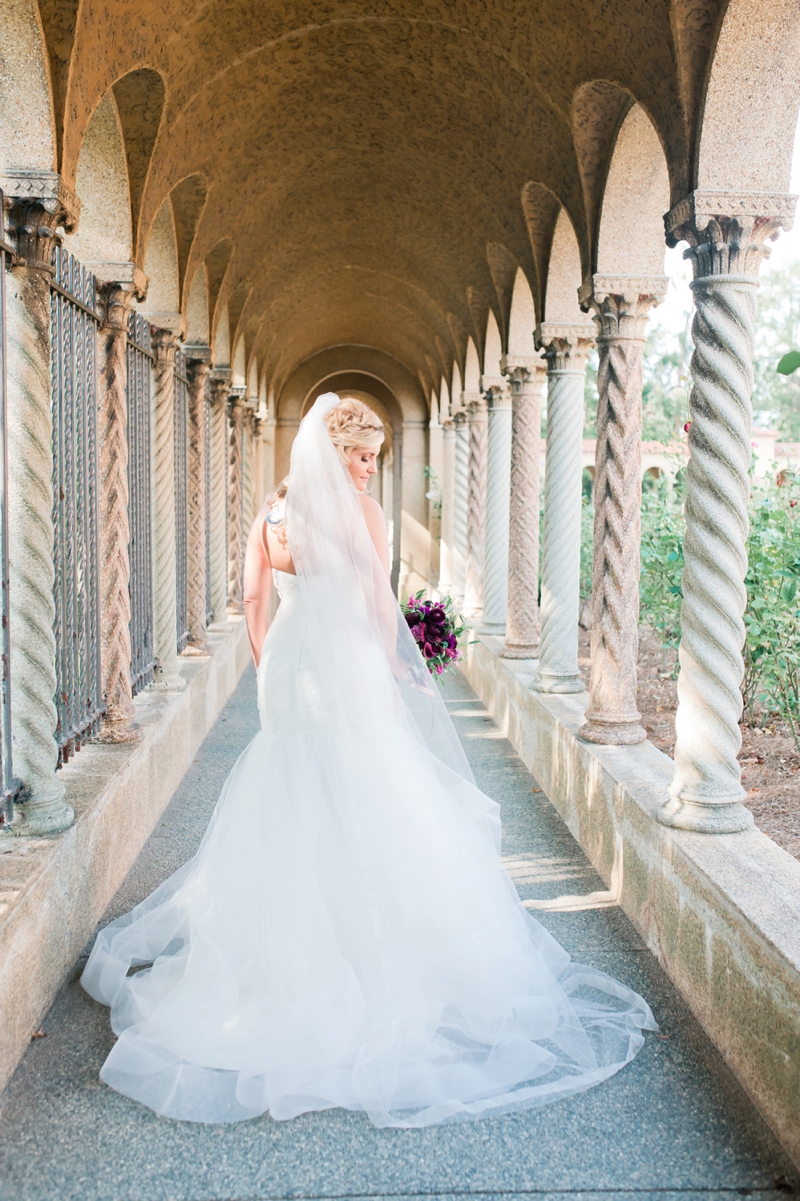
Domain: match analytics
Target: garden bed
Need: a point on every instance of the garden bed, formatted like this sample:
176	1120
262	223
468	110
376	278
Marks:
769	758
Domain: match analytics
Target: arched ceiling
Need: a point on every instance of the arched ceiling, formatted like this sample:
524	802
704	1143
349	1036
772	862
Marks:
355	166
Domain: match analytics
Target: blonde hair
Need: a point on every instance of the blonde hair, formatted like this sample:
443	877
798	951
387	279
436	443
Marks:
352	424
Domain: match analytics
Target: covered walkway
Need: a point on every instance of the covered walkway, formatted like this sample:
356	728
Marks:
674	1124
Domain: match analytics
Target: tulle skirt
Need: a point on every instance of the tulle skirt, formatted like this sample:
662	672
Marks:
346	936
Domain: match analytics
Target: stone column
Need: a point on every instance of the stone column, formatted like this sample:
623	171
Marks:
476	507
446	584
39	204
235	558
217	518
726	235
566	349
620	309
196	506
248	473
498	490
527	380
167	676
115	570
460	505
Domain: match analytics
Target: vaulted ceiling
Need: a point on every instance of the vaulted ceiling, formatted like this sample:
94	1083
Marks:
375	173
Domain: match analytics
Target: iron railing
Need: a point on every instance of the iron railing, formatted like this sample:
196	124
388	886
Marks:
207	489
180	410
140	366
9	787
73	378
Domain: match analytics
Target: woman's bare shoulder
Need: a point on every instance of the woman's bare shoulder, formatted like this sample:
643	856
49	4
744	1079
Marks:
372	509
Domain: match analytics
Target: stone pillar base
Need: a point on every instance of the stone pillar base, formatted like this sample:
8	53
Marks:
612	733
118	731
167	681
705	817
550	682
42	816
520	652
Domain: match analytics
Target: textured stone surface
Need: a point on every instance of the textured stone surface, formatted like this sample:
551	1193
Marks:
476	506
621	307
52	891
164	579
567	348
672	1126
498	495
196	506
726	253
217	517
721	915
235	501
115	568
30	526
522	629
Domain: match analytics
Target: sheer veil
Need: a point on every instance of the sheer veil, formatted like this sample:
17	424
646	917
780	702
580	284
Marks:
371	647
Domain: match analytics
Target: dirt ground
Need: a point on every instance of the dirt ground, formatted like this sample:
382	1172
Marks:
770	761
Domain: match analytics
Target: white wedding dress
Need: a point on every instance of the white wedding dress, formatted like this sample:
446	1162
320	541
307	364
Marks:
346	935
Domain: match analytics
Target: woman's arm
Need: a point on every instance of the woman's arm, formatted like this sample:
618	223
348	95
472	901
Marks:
257	587
376	524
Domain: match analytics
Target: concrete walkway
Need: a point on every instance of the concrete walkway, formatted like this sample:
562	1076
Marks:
674	1124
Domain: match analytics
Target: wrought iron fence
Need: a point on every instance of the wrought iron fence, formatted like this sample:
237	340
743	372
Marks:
180	410
73	378
140	364
207	489
8	785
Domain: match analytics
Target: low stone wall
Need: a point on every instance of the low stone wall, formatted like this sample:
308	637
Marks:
721	912
54	890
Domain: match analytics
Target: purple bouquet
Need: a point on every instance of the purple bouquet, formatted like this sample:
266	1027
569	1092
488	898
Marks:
436	630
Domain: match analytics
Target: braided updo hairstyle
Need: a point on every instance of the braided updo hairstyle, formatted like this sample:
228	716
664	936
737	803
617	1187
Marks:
352	424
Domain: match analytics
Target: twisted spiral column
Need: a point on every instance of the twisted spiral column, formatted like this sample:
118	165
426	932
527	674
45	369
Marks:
30	537
523	550
566	351
167	676
115	571
498	491
446	584
621	308
217	517
196	507
476	507
248	475
460	505
726	252
235	558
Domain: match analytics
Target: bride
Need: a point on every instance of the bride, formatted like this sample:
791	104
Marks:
346	934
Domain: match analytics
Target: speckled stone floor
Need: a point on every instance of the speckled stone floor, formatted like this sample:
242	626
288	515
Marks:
673	1124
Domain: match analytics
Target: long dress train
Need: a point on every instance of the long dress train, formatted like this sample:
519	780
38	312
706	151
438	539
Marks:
346	935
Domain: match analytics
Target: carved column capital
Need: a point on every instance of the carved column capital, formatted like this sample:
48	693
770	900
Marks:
115	299
566	347
164	344
727	231
38	202
620	304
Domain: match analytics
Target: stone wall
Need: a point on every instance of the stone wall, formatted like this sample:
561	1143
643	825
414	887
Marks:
721	914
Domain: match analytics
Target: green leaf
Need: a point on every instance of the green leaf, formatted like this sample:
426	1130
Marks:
789	363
